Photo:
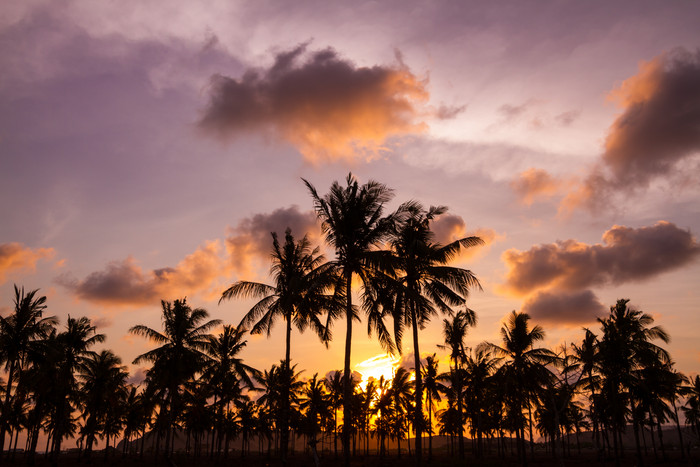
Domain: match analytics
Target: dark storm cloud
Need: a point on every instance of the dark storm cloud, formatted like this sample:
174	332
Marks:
626	254
325	105
573	308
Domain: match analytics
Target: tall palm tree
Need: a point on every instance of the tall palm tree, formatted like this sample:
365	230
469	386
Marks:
624	348
181	353
454	333
299	295
17	331
103	380
524	368
334	386
479	368
69	352
431	385
425	285
353	223
224	373
314	403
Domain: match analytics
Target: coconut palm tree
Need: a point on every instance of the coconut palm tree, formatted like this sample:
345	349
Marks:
225	374
624	348
334	386
17	332
425	285
299	295
181	354
524	368
479	368
353	223
103	380
69	351
432	393
454	333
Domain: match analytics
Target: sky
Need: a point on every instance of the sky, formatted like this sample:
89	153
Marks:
148	149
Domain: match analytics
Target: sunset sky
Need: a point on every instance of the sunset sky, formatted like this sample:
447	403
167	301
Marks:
147	149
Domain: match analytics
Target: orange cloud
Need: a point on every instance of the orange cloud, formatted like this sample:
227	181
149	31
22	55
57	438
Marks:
655	137
250	242
125	283
326	106
16	257
536	183
450	227
626	254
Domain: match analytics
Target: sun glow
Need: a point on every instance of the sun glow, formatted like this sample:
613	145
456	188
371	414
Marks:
376	367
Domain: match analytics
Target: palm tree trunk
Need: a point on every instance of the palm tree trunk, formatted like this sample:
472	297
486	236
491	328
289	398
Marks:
346	371
678	427
430	426
6	407
285	391
418	414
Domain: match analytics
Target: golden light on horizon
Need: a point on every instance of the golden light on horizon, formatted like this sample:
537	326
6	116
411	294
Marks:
376	367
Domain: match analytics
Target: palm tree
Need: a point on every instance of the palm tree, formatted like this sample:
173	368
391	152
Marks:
315	405
334	386
425	285
353	223
625	348
301	280
17	332
431	385
479	368
524	368
585	357
454	332
70	351
691	409
181	353
224	371
401	393
103	382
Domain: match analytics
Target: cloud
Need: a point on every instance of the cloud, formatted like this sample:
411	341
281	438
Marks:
626	255
451	227
138	376
250	241
565	119
325	105
564	307
656	136
15	257
536	183
125	283
445	112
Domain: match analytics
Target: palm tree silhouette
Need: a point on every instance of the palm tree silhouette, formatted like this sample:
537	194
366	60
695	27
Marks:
432	393
353	223
624	348
523	369
454	332
299	296
17	332
103	380
181	354
425	285
69	351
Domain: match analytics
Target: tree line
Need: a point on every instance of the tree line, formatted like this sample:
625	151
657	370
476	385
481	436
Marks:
199	388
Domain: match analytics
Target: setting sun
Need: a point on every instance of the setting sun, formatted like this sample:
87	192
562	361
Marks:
377	366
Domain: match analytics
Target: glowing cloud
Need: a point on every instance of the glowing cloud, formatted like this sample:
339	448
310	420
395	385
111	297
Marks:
656	135
125	283
450	227
251	241
326	106
535	183
625	255
15	257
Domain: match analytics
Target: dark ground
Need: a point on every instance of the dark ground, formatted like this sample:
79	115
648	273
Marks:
301	459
